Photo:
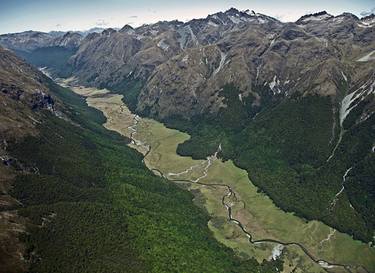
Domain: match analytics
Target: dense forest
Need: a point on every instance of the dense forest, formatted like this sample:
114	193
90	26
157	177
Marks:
284	148
94	207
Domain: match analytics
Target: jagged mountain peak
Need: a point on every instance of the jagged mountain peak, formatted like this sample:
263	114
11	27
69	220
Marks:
250	12
368	20
313	17
152	30
368	17
239	13
108	31
234	11
234	16
348	15
127	29
72	35
91	36
70	39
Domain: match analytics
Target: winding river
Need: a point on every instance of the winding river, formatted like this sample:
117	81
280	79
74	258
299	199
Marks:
226	193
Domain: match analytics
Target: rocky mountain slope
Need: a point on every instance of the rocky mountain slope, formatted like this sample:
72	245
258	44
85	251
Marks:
311	56
253	51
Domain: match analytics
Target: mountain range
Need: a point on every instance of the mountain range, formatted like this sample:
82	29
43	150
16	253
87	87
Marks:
292	103
250	50
177	71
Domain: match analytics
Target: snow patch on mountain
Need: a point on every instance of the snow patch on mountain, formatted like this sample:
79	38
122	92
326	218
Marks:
368	21
345	106
356	96
344	76
163	45
235	20
185	59
222	62
183	32
218	19
261	20
210	23
367	57
317	18
273	85
193	37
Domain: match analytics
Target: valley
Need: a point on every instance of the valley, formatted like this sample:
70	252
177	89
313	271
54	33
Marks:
89	204
290	103
232	142
241	217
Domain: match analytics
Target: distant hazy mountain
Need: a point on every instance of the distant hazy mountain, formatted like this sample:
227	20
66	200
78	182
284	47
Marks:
31	40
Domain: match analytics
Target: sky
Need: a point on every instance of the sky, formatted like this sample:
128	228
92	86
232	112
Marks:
47	15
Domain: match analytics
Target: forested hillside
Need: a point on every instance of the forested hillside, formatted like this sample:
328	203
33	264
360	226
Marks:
93	206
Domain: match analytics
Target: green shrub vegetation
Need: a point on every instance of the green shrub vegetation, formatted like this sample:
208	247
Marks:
95	207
